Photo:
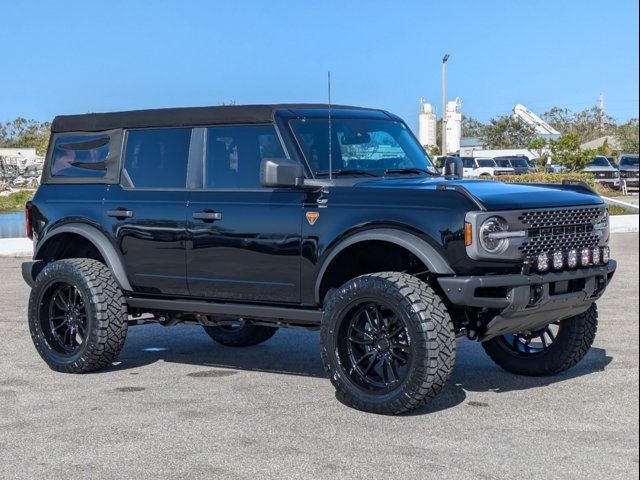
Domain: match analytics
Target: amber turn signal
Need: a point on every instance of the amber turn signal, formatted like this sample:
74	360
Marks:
468	234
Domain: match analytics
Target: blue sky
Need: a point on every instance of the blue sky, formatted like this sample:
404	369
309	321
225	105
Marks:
79	56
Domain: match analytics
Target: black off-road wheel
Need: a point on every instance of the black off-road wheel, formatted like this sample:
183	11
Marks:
240	335
387	343
77	316
548	351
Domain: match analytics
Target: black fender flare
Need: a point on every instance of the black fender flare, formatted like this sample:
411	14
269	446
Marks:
100	241
420	248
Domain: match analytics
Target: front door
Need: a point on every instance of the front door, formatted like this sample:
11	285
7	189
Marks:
146	213
243	239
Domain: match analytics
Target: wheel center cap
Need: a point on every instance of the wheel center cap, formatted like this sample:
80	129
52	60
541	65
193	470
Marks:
382	345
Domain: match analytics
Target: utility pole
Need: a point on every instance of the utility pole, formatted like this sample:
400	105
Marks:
601	108
444	104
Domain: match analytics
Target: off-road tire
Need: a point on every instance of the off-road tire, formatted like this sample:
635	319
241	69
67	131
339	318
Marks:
432	334
106	314
242	336
573	341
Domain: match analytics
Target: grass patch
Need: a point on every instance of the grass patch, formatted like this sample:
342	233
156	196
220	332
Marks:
619	210
15	201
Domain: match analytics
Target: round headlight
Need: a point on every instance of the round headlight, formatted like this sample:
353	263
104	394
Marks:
490	238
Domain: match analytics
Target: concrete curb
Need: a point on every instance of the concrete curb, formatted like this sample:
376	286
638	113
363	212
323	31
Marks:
624	223
16	247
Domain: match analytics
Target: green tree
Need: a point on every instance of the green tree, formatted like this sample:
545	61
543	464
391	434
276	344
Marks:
507	132
471	127
540	146
25	133
566	151
588	124
628	136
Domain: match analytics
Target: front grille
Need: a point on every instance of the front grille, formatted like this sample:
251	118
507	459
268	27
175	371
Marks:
605	174
629	174
566	229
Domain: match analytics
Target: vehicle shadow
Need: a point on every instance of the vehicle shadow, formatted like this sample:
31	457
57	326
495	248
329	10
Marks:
295	352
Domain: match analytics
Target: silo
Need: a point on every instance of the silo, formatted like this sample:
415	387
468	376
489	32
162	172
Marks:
454	125
427	124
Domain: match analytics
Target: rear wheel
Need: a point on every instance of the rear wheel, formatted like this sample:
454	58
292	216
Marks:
387	343
548	351
240	335
77	315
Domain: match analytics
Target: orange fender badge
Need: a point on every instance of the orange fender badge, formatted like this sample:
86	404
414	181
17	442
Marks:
312	217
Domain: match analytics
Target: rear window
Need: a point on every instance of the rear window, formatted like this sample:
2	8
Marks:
80	156
157	158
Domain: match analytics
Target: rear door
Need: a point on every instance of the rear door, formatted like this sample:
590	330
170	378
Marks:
244	239
146	212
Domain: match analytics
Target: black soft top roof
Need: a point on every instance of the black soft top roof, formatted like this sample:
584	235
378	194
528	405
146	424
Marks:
180	117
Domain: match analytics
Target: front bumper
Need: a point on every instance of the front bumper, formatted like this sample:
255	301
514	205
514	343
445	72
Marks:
529	302
613	182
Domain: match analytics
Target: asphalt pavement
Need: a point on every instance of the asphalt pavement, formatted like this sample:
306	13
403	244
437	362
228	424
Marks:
177	405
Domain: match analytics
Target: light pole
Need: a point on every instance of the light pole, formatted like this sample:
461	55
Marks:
444	104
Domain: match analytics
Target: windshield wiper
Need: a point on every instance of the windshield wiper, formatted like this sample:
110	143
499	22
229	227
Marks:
406	170
348	171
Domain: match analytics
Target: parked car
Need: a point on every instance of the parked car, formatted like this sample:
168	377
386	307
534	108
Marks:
555	168
628	169
603	172
520	165
483	167
247	219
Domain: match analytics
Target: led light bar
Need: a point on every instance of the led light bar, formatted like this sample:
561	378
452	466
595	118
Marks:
585	257
558	260
572	258
542	262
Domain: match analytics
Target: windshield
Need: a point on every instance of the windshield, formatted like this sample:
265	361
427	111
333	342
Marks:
629	161
600	162
374	146
520	162
487	163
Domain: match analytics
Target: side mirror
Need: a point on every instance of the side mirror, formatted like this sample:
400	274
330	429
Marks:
281	172
453	167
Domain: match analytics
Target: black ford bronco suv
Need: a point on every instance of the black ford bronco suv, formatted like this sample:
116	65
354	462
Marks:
246	219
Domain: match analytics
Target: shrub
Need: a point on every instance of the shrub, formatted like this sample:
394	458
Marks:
15	201
547	178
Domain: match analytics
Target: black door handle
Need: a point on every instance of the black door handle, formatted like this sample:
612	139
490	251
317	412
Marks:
207	216
120	213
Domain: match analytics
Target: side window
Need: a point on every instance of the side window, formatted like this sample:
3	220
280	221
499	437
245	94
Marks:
157	158
233	155
80	156
469	163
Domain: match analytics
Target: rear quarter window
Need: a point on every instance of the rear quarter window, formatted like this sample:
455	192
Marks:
80	156
83	157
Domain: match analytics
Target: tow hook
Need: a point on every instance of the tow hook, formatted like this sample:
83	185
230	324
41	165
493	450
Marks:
536	295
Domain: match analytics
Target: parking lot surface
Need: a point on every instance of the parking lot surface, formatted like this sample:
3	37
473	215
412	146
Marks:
178	405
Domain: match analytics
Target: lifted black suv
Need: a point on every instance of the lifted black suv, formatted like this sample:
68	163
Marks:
245	219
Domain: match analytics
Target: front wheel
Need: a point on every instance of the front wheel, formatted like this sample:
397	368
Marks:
387	343
77	315
548	351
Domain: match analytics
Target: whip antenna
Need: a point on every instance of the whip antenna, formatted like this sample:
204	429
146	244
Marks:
330	146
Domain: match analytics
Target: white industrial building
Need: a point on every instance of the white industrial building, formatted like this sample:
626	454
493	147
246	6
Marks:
428	125
454	125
